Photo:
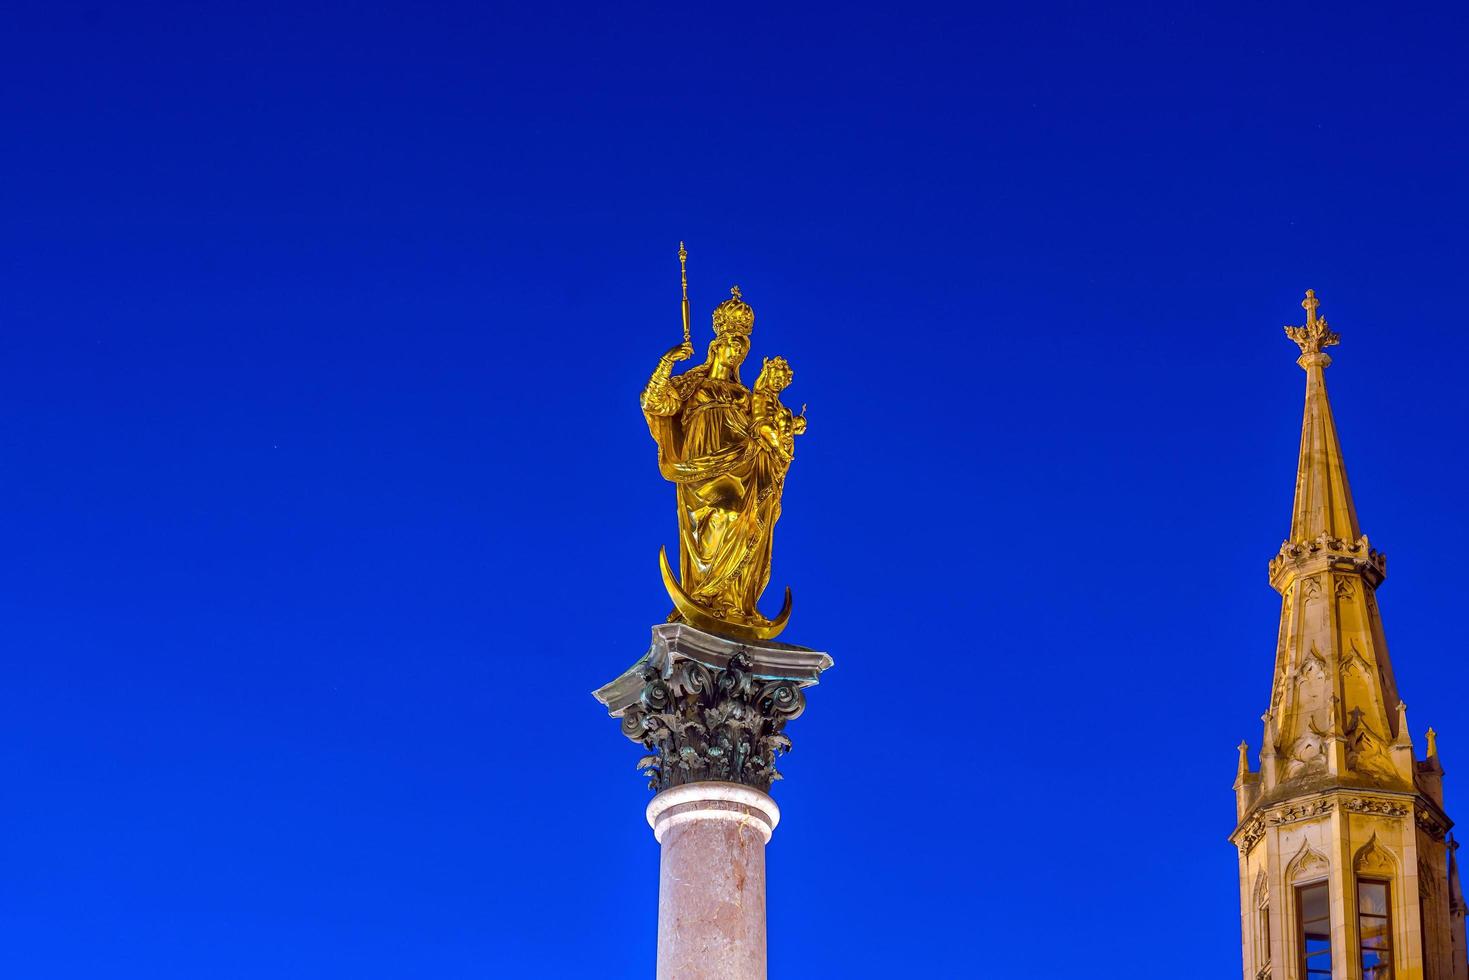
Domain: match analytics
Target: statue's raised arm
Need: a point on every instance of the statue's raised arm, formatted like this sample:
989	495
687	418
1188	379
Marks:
660	397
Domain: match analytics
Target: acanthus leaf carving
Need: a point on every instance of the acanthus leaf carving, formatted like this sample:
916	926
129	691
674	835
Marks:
703	723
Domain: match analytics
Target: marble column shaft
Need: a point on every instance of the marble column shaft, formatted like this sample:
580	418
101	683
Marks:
711	889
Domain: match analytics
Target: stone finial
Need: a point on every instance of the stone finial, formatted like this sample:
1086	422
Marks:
1314	335
1268	769
1402	747
1403	738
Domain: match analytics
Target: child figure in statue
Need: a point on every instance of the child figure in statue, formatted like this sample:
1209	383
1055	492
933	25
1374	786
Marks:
774	425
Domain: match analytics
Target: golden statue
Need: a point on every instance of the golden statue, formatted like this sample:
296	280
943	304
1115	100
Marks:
726	449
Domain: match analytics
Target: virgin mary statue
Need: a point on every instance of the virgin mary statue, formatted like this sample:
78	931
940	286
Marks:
726	450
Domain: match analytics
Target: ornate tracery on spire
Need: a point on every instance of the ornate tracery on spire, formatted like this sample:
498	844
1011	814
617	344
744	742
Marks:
1334	703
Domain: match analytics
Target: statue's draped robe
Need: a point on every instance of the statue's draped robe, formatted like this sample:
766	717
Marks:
728	490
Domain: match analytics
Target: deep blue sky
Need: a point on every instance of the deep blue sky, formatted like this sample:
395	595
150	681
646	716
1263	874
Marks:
326	499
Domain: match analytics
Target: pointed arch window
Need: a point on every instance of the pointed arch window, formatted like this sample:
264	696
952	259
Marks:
1374	928
1313	913
1263	932
1262	926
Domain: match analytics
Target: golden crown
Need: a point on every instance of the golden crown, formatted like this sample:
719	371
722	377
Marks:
734	316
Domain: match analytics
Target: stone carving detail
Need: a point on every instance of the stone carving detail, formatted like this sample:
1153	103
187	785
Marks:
1301	811
1367	752
1352	659
1307	754
1308	863
1358	556
1252	835
708	723
1374	859
1312	668
1385	808
1430	824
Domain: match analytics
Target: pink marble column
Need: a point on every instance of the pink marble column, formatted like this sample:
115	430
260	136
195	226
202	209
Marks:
711	887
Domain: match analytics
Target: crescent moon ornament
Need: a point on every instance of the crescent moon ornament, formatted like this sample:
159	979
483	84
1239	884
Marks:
700	618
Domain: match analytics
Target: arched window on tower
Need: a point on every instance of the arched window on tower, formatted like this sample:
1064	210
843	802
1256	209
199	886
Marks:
1313	913
1262	933
1262	927
1374	927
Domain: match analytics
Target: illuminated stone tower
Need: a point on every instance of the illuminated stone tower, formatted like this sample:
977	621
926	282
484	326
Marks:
1346	869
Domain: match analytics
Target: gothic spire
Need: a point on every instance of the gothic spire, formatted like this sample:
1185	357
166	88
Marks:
1334	707
1323	497
1339	792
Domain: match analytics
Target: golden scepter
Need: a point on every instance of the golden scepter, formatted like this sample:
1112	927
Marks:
683	274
